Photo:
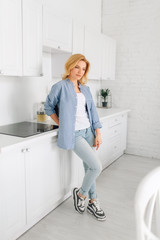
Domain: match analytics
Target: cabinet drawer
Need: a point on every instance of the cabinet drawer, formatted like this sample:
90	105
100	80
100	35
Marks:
114	121
114	146
114	131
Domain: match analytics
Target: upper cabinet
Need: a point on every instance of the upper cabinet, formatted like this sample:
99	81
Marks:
27	27
100	50
108	58
57	31
92	51
78	38
32	37
21	37
10	38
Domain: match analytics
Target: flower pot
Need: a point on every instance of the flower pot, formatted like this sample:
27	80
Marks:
104	104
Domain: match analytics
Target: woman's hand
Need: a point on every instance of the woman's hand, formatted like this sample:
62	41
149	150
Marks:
97	141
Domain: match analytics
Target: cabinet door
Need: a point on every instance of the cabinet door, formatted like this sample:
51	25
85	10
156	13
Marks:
12	189
57	31
108	58
10	38
32	37
44	178
78	38
114	147
92	51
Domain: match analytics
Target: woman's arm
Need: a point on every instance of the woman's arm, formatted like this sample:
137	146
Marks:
97	140
55	118
98	132
51	102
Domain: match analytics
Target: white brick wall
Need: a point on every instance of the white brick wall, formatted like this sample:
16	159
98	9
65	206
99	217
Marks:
135	24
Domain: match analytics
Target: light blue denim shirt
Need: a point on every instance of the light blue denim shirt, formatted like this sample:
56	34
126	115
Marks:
62	100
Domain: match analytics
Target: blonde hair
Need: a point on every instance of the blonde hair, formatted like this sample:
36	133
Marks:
72	62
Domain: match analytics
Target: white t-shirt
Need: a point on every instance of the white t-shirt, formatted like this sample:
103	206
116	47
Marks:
82	120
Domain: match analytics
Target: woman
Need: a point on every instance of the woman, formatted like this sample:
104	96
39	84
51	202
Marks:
71	106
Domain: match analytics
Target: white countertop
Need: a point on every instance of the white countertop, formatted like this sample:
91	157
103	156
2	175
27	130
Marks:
8	142
110	112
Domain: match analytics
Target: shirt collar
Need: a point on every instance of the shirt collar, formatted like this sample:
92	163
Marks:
69	81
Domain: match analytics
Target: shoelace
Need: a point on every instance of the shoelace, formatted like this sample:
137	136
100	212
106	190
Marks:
96	203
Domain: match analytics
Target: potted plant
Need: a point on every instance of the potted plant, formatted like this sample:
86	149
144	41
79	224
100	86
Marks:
104	94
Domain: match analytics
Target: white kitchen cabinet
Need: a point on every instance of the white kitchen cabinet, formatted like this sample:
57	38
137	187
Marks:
44	178
100	50
108	58
10	38
21	37
57	31
114	134
12	189
32	183
92	51
78	38
32	37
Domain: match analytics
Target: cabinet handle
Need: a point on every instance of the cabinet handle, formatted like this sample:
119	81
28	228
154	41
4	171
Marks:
41	74
27	149
59	47
23	150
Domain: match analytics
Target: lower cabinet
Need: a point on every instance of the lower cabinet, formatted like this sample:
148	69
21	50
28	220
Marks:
113	133
34	179
44	178
12	199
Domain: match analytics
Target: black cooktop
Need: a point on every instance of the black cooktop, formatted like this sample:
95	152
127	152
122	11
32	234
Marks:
26	129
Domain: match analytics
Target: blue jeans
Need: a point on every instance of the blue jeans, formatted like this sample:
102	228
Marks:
84	140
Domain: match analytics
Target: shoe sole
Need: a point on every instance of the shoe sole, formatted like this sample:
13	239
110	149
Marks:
92	213
75	200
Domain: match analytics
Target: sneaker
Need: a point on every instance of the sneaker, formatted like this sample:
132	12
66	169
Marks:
79	202
94	209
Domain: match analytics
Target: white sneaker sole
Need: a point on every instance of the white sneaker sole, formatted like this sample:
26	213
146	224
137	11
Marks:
98	218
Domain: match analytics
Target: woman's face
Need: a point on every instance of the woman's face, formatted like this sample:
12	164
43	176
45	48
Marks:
78	71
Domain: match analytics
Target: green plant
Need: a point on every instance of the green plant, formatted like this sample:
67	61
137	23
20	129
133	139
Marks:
104	93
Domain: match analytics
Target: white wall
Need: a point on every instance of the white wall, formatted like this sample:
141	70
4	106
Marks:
19	96
136	27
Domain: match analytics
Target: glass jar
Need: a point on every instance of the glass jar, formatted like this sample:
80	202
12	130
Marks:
41	116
